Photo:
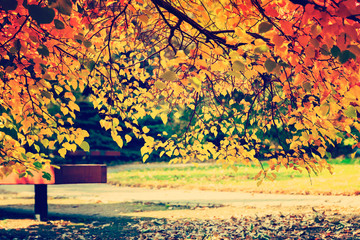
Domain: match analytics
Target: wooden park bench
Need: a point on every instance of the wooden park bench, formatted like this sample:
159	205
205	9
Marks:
66	174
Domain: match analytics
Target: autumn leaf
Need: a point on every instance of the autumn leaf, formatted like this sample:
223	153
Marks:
63	6
270	65
231	83
238	66
85	146
169	76
43	50
265	27
59	24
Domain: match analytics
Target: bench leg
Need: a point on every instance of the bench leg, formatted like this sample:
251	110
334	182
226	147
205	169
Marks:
41	205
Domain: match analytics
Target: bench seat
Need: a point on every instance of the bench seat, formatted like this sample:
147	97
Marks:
66	174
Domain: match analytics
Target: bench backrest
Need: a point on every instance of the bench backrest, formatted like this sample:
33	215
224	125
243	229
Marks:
66	174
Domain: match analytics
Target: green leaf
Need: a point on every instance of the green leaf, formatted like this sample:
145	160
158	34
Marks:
38	165
30	173
59	24
261	49
63	6
270	65
85	146
160	85
37	148
350	112
234	74
87	43
169	76
307	86
324	50
8	4
283	64
24	155
21	175
345	56
45	142
79	38
46	175
91	65
42	15
43	50
238	66
46	94
335	51
264	27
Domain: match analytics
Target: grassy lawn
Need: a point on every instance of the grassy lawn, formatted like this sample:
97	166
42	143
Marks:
345	179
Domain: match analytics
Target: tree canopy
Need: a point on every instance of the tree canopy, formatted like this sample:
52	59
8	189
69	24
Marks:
252	79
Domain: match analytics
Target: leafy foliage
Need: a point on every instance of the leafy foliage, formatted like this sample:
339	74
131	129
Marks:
242	70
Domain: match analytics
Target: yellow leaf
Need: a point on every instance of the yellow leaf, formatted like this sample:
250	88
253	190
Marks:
234	74
238	66
119	141
145	129
160	85
145	157
110	2
69	95
169	76
261	49
85	146
299	126
58	89
315	30
350	112
218	51
62	152
277	99
164	118
73	106
105	124
291	121
64	110
115	122
127	138
45	142
324	109
195	82
322	151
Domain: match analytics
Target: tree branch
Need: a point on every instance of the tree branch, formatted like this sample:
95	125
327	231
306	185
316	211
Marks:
210	35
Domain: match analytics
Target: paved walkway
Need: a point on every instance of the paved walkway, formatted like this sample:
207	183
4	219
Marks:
111	194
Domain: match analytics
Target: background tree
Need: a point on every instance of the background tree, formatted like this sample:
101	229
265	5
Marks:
242	70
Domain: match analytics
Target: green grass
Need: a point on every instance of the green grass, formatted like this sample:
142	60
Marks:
345	179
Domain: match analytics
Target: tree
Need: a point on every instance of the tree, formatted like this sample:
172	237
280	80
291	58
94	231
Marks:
242	70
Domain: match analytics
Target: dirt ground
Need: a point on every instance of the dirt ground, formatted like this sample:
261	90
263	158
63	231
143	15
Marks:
82	215
73	218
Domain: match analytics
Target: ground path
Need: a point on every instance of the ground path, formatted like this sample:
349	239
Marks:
296	215
104	200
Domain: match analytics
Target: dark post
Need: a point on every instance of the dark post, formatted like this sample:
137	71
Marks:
41	205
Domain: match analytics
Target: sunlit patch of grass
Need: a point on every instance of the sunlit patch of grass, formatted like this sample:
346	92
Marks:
344	180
